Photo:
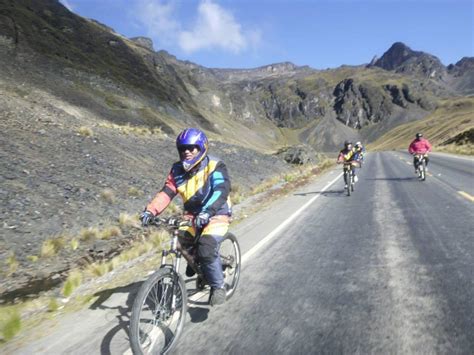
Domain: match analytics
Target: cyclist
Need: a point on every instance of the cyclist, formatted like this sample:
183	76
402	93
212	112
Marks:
359	152
347	155
203	184
421	146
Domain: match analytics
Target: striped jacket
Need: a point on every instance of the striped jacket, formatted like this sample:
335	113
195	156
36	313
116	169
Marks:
204	189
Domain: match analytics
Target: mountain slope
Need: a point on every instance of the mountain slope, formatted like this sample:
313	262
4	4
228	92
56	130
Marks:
89	119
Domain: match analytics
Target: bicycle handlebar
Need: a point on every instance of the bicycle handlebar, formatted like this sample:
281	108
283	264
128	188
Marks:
170	221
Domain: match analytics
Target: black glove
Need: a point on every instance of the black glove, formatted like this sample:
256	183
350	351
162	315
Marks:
202	219
146	217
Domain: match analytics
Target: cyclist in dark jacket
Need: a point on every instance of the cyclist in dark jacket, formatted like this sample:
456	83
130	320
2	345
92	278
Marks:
204	186
346	155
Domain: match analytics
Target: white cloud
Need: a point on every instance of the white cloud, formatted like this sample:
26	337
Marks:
67	4
214	27
157	17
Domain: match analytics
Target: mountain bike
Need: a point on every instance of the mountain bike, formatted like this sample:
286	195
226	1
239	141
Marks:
159	309
420	164
348	176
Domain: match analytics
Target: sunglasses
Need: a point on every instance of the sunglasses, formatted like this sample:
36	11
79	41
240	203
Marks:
189	147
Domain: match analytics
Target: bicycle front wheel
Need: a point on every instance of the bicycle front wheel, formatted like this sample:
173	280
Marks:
348	181
158	313
229	252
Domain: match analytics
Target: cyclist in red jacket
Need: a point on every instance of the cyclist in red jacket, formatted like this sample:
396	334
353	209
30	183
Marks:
419	146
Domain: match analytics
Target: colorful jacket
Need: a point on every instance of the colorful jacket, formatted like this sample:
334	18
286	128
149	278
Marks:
419	146
359	153
205	189
346	155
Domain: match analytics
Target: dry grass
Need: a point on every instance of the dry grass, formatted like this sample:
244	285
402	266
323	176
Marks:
448	120
12	263
134	192
98	269
73	281
51	247
265	185
85	131
74	243
465	149
53	305
128	220
90	233
173	208
110	232
135	130
236	194
108	195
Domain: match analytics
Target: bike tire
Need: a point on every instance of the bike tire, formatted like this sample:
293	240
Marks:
148	333
349	182
423	170
229	252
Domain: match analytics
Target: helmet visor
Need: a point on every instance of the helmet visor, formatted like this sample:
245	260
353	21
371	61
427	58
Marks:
187	147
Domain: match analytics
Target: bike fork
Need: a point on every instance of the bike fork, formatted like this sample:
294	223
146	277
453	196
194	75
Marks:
177	263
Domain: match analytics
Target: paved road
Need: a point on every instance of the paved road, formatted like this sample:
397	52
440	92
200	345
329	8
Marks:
387	270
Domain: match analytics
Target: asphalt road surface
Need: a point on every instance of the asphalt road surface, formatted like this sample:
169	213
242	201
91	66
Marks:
389	269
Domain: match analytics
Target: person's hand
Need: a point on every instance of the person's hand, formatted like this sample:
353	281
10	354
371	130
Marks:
202	219
146	217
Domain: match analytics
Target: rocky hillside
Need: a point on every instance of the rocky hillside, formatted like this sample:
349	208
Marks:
89	117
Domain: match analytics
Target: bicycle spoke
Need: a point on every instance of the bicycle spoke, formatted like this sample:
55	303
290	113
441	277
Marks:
158	324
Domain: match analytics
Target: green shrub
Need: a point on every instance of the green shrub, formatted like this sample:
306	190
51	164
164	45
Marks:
73	281
10	322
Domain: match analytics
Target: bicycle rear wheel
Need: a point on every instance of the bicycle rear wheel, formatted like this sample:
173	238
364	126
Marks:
158	313
229	252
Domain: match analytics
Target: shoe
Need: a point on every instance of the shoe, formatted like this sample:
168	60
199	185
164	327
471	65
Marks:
217	296
345	187
356	179
190	271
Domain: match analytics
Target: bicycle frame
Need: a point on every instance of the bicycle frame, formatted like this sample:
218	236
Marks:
179	251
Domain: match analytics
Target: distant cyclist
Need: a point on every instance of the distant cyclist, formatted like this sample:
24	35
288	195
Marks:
359	152
419	146
203	184
347	155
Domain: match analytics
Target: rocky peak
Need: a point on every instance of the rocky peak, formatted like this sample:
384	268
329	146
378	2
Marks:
402	59
462	66
144	42
397	54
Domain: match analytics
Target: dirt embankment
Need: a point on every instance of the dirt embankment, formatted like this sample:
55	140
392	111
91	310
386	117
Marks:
64	172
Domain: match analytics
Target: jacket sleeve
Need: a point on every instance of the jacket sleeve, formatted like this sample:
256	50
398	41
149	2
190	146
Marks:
340	157
220	189
164	197
428	146
410	148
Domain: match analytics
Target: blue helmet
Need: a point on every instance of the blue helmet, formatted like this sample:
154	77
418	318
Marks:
189	137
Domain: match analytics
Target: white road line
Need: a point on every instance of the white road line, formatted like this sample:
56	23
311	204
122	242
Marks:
200	295
272	234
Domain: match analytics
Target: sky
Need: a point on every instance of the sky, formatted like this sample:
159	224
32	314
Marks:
319	33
